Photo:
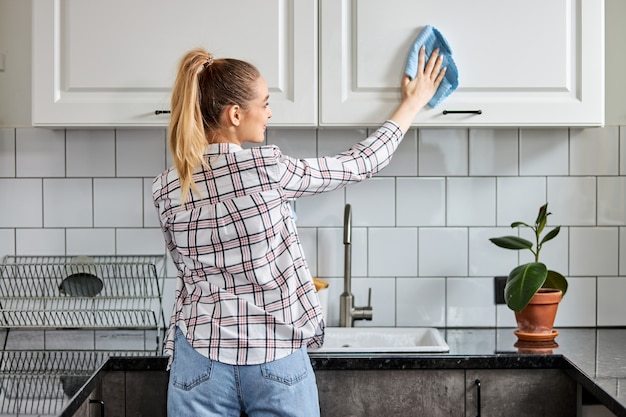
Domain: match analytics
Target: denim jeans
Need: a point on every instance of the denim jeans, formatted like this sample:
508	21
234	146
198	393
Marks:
200	387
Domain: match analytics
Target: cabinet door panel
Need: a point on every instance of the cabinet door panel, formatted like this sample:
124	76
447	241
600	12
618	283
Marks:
520	63
114	62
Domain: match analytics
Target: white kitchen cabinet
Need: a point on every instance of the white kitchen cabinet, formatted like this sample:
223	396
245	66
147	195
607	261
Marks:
520	63
112	63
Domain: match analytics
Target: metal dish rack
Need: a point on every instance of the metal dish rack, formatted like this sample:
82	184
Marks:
32	295
42	382
45	295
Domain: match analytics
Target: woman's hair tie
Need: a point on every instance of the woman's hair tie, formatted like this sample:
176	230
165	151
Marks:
209	61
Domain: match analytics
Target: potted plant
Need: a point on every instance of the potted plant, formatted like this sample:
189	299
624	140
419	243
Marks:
532	282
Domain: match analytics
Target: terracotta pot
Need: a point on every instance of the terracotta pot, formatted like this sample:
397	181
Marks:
537	318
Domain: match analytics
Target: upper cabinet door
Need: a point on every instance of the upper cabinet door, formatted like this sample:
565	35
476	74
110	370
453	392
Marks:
520	63
113	63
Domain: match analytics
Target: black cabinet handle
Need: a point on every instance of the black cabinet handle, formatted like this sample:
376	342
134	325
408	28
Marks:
162	112
462	112
477	382
101	406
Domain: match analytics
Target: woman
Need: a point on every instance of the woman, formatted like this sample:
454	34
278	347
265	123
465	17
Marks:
246	308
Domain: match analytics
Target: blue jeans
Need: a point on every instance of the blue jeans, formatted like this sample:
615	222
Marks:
200	387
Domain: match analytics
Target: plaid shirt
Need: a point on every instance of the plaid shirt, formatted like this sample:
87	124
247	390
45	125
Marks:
244	292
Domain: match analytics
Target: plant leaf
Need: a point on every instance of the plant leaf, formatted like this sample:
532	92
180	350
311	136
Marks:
518	224
542	218
511	242
522	283
556	280
551	235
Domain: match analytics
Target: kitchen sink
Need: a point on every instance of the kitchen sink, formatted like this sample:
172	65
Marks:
382	340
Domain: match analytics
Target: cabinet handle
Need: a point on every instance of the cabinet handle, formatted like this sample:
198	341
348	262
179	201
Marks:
477	382
101	406
462	112
162	112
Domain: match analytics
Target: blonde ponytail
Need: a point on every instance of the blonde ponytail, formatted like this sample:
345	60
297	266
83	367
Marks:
204	87
187	135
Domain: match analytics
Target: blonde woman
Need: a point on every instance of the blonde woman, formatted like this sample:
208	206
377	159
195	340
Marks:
246	308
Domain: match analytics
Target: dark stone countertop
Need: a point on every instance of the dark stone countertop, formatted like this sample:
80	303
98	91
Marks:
594	357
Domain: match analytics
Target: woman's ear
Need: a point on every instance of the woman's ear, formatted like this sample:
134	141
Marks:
233	114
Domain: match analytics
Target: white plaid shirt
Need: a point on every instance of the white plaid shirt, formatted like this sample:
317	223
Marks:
244	292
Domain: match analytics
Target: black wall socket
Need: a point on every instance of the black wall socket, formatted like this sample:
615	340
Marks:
499	284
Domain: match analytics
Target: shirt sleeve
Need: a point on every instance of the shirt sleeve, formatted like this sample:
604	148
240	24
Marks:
309	176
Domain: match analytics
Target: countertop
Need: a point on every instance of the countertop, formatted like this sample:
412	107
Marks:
595	358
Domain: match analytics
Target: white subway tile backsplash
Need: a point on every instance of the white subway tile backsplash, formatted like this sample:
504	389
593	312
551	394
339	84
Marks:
544	152
40	152
404	161
443	251
622	250
373	202
150	214
612	201
593	251
421	302
443	152
90	153
471	201
470	302
331	142
611	306
308	239
622	150
7	152
331	252
296	143
487	259
67	202
21	202
578	306
40	241
505	317
572	200
493	152
384	258
324	209
420	201
594	151
555	253
420	228
519	199
140	152
118	202
90	241
7	242
383	300
144	241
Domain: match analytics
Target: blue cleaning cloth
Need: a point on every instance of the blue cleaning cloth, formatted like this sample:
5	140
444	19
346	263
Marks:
431	38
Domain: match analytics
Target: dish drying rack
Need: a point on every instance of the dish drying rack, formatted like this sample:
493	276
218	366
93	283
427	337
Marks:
42	382
52	298
81	292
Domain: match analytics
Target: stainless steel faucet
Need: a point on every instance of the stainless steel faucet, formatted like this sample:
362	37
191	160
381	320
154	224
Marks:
347	311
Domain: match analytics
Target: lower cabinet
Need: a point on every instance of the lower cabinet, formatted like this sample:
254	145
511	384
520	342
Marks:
127	394
379	393
510	393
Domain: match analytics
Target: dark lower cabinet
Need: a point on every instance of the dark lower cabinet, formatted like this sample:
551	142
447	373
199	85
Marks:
376	393
520	393
127	394
452	393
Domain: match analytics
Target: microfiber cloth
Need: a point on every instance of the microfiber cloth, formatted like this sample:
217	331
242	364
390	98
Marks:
431	38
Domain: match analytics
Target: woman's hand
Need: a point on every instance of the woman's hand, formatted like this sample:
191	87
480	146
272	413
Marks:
417	92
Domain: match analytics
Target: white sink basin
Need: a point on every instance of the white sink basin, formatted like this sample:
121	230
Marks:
382	339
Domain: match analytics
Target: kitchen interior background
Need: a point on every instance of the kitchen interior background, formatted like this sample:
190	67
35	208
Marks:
421	227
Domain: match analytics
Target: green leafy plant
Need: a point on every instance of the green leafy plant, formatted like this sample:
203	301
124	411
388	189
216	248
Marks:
525	280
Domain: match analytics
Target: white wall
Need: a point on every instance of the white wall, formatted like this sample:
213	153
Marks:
420	228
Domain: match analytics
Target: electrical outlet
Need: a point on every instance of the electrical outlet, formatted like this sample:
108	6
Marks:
499	284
